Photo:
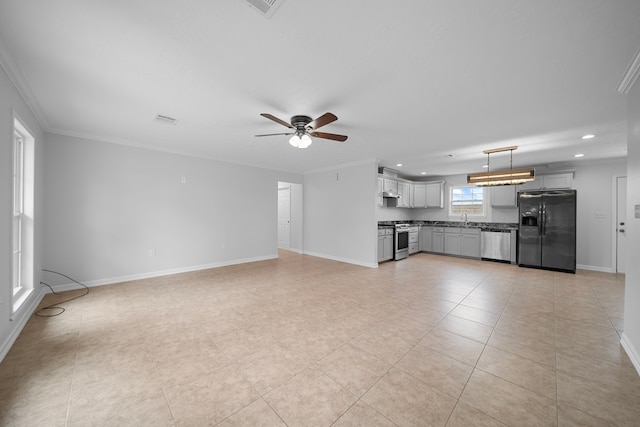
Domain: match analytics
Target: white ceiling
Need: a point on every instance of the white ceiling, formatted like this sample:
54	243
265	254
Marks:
411	81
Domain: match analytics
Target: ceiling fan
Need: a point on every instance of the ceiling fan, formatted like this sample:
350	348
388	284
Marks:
303	128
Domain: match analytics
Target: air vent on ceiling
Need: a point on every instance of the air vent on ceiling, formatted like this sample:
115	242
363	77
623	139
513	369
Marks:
165	119
265	7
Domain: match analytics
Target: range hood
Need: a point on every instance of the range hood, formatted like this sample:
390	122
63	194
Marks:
390	194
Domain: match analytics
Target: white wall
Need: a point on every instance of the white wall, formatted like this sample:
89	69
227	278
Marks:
595	236
340	213
108	206
11	102
631	334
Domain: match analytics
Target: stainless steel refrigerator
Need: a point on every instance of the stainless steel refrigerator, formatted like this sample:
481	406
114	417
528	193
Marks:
547	232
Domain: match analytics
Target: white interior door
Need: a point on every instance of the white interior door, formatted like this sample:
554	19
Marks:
284	217
621	224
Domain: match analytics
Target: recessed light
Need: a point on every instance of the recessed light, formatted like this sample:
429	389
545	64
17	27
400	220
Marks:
588	136
451	156
423	173
398	164
485	166
578	155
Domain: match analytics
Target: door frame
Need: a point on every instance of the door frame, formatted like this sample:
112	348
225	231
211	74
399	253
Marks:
614	223
296	225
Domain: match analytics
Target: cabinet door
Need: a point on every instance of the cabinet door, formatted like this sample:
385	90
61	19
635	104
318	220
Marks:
470	245
380	190
560	180
437	242
435	195
425	239
390	185
380	248
533	185
452	243
419	195
504	196
404	189
388	247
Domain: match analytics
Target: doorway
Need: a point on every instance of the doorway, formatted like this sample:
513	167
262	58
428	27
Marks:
621	222
290	216
284	217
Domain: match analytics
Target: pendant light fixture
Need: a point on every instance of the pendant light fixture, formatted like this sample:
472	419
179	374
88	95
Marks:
504	177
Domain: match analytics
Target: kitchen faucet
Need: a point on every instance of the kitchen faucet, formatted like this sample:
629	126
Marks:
464	218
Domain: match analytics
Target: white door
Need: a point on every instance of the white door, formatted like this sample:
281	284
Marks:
284	217
621	224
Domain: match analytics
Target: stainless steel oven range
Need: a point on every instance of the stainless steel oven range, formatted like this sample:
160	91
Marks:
401	242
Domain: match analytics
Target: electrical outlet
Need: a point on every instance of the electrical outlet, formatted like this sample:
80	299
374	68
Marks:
183	180
152	252
600	215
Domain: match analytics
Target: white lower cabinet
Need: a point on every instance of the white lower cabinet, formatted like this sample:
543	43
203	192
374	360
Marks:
385	244
452	244
470	243
414	240
437	240
456	241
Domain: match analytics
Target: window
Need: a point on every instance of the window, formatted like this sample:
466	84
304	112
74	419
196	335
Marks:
469	200
23	207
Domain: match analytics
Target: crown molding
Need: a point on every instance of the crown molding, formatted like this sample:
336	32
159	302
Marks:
20	83
631	75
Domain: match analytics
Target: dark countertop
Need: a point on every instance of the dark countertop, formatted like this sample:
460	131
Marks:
485	226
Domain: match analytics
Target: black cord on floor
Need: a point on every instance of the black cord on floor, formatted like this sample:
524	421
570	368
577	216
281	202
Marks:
55	305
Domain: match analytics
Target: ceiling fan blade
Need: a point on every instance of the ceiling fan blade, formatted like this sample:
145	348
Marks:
332	136
277	120
275	134
324	119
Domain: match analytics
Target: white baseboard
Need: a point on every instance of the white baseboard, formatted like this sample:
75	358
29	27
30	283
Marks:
632	352
149	275
595	268
347	260
20	319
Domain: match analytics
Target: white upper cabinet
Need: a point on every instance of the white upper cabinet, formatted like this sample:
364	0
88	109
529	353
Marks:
405	191
390	185
428	195
435	194
547	182
504	196
380	190
419	195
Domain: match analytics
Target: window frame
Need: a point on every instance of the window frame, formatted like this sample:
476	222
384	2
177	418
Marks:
22	207
451	208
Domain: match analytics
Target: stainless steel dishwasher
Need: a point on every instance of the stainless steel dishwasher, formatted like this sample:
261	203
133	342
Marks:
498	245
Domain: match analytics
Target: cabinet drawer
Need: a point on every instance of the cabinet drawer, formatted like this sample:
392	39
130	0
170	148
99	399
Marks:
470	231
413	248
413	238
438	229
452	230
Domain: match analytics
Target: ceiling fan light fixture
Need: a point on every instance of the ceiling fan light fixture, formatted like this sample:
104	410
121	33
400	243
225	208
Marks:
300	141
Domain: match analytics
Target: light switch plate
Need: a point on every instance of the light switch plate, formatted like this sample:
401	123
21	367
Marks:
637	211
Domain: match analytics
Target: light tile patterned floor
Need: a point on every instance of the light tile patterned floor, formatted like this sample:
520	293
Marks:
430	340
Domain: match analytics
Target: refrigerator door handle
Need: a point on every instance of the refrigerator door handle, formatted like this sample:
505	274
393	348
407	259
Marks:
544	218
540	217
